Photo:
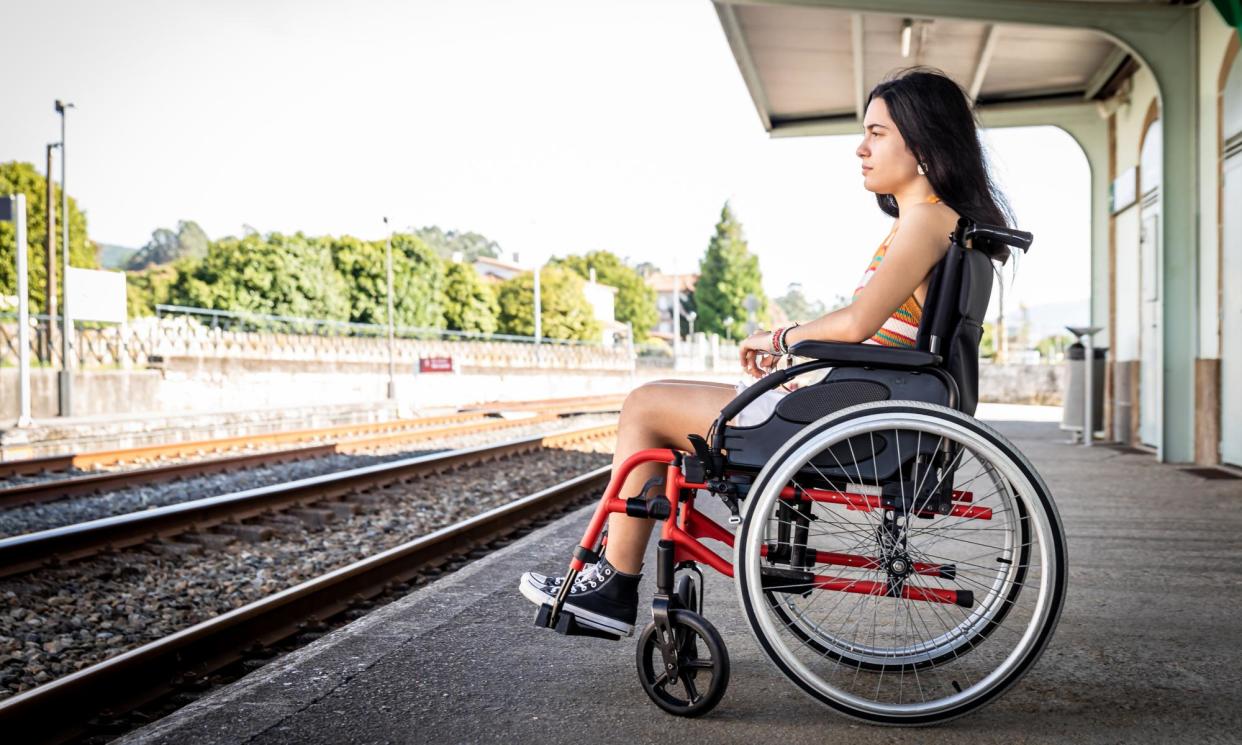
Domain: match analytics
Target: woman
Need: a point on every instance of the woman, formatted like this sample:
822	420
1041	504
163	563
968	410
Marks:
921	157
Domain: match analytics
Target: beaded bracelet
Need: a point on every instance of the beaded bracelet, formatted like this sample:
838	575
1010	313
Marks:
776	339
783	339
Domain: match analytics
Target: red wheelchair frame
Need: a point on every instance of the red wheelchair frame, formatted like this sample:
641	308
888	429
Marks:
683	527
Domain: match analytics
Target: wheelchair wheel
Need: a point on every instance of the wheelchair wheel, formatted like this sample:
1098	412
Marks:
702	668
804	625
901	616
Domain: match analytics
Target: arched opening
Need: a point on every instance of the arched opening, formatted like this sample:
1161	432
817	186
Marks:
1150	177
1231	256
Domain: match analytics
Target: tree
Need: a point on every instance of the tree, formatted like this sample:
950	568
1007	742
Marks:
635	302
150	287
798	306
646	269
469	302
425	292
166	246
22	178
278	274
446	243
566	312
728	273
417	277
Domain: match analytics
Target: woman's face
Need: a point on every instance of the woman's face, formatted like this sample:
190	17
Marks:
887	164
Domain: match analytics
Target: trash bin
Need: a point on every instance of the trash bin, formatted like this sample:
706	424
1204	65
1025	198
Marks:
1071	409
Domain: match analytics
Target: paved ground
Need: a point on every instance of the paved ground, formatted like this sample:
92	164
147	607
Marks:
1147	649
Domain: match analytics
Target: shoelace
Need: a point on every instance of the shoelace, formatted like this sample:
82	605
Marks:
589	572
592	581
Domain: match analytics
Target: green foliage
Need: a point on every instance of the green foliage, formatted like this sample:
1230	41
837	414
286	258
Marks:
22	178
165	246
417	278
566	312
446	243
728	273
469	302
987	342
635	300
424	292
646	269
112	256
1050	346
798	306
277	274
147	288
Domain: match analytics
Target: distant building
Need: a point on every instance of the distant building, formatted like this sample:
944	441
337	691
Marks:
665	285
495	270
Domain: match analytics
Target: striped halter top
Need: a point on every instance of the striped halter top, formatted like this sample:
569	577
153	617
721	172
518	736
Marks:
900	328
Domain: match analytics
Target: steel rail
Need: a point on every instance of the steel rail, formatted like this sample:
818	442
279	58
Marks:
25	552
53	490
61	708
197	447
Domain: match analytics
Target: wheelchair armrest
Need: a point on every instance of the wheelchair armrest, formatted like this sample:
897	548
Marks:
755	390
865	354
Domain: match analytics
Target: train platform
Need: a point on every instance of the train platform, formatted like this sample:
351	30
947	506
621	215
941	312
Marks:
1146	649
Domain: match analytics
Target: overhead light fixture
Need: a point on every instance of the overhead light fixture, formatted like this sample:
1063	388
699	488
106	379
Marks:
907	30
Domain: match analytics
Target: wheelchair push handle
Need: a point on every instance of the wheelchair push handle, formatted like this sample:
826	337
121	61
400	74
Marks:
968	231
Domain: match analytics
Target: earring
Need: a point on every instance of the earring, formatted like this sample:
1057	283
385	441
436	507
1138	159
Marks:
921	168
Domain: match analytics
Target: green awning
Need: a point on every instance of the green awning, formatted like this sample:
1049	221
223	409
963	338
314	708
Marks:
1231	11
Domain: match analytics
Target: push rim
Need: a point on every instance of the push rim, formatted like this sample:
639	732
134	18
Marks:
932	660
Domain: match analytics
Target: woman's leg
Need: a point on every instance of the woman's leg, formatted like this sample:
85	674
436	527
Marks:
656	415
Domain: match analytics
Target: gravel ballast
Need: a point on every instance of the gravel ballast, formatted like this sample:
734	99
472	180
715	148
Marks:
36	517
58	620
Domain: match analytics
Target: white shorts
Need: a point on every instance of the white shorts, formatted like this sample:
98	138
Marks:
759	410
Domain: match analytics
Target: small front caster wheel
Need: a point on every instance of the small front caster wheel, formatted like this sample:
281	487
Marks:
700	674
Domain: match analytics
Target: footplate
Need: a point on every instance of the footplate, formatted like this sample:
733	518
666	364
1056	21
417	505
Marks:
567	624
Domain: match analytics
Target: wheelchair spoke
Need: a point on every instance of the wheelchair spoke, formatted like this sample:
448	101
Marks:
893	639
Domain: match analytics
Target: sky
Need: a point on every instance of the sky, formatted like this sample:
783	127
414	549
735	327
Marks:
550	127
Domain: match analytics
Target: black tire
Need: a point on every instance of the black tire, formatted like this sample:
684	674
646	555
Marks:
1038	523
703	661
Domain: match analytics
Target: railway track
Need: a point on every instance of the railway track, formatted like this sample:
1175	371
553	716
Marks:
56	489
375	436
62	708
372	431
23	553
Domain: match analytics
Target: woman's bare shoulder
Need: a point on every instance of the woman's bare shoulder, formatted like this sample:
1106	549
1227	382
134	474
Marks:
933	219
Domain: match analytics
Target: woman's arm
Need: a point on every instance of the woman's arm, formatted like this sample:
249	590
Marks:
919	243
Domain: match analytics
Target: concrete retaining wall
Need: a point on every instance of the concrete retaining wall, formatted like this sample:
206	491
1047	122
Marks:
199	385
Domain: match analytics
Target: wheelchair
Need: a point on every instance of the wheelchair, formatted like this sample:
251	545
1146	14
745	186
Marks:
897	559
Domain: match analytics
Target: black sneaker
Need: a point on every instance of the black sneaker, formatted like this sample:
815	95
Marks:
604	599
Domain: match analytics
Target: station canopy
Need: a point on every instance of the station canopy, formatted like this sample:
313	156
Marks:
809	69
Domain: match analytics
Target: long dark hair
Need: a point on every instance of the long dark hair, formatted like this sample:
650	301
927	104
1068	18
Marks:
934	116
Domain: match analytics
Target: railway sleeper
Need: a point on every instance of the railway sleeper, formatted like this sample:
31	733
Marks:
211	539
250	533
169	547
313	517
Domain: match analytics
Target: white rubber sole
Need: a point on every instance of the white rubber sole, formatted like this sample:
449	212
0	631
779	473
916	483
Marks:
538	596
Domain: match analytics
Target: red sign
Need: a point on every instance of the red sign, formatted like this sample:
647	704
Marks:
435	364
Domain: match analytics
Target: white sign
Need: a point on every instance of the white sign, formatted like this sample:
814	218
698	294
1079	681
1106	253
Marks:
96	295
1124	190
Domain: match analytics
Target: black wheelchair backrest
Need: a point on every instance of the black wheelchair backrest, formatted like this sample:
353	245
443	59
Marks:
957	300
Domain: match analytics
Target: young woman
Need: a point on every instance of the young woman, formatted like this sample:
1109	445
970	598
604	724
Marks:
922	158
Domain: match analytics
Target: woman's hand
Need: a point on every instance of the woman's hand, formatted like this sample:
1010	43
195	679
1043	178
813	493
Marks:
758	358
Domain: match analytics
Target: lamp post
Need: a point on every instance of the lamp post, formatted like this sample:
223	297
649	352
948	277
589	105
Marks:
66	320
50	305
392	374
538	319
